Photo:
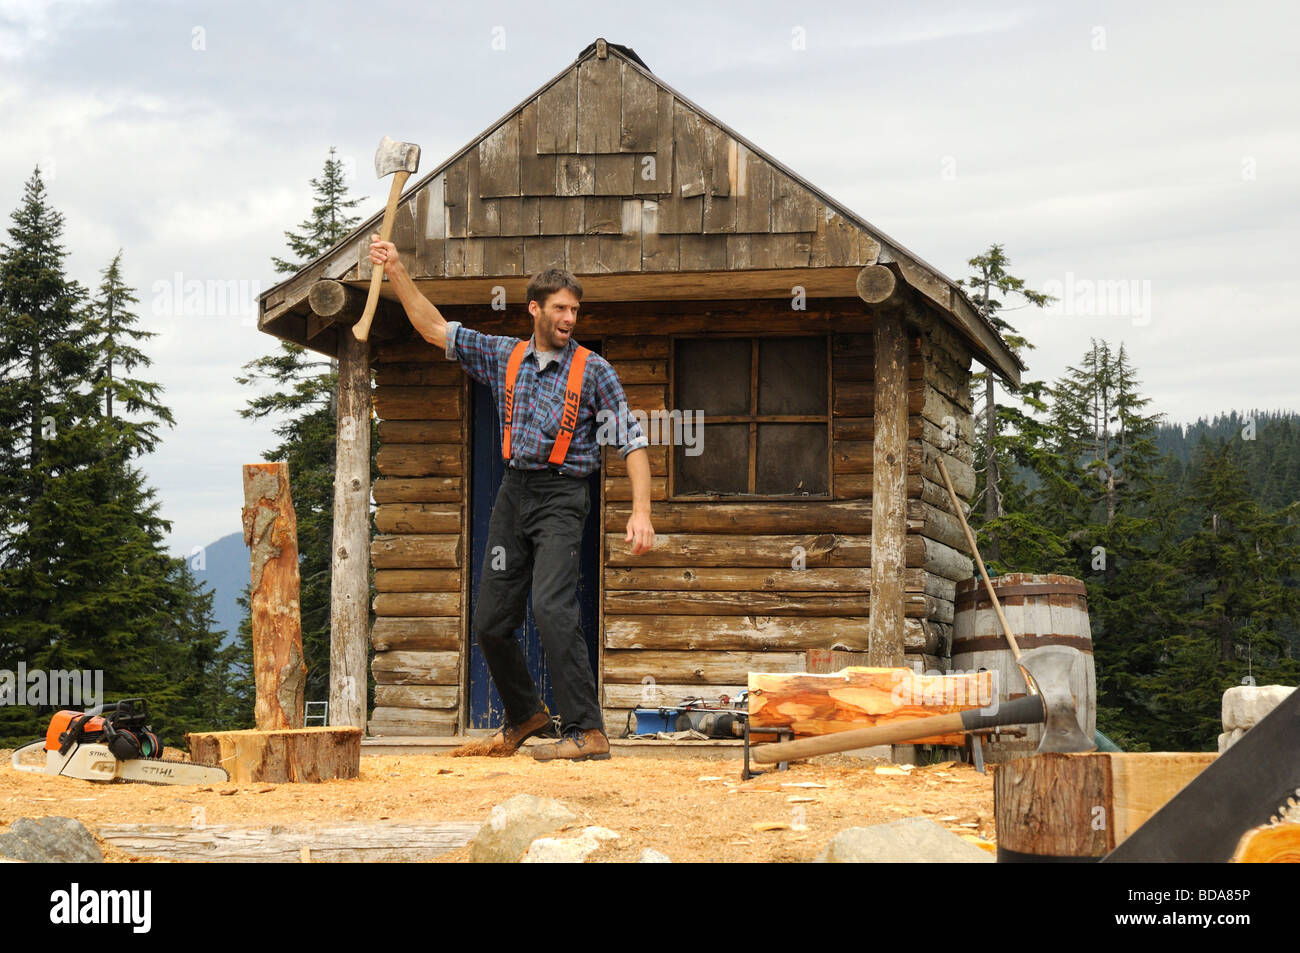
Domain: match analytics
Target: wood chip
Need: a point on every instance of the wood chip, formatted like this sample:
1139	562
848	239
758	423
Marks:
709	777
794	799
891	769
761	826
802	784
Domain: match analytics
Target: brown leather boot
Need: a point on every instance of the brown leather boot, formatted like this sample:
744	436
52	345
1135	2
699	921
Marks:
577	745
506	741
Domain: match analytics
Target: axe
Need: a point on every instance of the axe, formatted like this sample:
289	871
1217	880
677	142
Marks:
399	159
1049	702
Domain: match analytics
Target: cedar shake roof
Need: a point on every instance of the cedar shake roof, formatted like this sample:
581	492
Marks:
608	171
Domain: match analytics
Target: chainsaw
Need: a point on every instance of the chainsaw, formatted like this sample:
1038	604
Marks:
112	744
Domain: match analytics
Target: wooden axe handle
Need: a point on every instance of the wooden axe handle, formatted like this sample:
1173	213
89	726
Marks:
361	330
1026	710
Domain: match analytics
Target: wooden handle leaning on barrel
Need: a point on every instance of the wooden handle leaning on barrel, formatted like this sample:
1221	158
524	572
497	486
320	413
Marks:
1026	710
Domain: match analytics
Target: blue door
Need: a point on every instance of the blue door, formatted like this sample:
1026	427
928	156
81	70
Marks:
487	468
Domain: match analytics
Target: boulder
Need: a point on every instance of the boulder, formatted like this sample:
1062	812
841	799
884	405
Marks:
50	840
911	840
514	824
567	850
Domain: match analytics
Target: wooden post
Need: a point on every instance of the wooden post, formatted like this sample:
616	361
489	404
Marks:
888	491
271	533
349	563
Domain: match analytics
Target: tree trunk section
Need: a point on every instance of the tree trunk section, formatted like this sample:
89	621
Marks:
271	533
349	563
1270	844
992	498
1079	807
888	492
861	697
299	754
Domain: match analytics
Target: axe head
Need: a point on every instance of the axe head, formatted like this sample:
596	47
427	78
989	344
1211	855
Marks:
393	157
1049	667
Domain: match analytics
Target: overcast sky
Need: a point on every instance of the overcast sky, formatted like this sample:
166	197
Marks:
1132	158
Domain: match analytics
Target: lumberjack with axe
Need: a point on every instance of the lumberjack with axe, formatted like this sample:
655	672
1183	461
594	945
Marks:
550	393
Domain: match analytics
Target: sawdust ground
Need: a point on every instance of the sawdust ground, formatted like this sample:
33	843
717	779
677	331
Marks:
693	809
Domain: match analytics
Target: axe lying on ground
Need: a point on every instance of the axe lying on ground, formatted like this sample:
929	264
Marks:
1046	671
400	159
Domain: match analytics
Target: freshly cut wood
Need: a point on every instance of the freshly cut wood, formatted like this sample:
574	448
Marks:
1081	806
862	696
271	533
291	754
1270	844
370	842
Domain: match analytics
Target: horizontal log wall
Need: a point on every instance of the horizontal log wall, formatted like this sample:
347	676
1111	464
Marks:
719	595
420	550
945	431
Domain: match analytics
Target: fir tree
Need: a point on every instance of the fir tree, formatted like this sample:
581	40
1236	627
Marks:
329	221
988	288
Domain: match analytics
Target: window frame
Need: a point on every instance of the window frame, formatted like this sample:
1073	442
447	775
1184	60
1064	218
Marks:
753	418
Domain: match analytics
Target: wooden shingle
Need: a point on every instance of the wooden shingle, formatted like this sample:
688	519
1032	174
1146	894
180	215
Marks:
639	123
557	116
536	172
498	160
600	85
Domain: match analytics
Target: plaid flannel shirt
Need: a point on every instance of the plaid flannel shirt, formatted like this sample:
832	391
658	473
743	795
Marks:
539	400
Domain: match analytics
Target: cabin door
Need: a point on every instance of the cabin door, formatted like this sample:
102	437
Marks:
485	709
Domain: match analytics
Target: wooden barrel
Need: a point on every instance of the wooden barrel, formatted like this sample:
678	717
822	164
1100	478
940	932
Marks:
1041	610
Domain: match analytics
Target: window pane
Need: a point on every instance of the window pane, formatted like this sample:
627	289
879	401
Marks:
792	376
712	376
792	459
722	466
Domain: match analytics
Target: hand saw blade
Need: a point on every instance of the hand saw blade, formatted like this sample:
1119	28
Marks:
1246	786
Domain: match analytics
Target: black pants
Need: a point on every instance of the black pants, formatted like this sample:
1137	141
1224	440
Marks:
535	538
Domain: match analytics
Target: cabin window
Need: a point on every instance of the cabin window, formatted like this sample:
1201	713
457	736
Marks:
766	416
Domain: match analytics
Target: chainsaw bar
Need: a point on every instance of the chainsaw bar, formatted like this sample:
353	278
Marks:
93	761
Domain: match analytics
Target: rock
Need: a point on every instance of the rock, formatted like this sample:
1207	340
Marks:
1230	738
909	840
651	856
514	824
567	850
50	840
1245	706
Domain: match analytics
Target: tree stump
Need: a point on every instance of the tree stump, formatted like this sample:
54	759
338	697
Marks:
271	533
1079	807
1270	844
297	754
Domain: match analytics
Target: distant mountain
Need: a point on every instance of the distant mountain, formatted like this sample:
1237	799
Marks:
225	572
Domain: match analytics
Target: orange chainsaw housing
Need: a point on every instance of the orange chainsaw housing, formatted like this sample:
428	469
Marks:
59	724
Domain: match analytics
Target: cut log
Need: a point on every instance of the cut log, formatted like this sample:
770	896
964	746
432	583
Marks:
1081	806
271	533
860	697
1270	844
382	841
295	754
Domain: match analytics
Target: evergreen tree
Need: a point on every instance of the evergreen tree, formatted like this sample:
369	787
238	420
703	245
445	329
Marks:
987	288
85	583
329	221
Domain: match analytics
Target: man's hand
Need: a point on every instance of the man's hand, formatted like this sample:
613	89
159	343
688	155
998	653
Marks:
424	317
640	533
384	255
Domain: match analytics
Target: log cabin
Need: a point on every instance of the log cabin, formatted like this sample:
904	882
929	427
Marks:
801	373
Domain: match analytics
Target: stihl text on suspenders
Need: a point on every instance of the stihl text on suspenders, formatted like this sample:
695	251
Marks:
572	395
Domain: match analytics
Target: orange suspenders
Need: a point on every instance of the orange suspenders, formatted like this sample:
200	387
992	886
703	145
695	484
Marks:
572	394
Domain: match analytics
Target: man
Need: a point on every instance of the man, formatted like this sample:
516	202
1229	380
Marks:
551	395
